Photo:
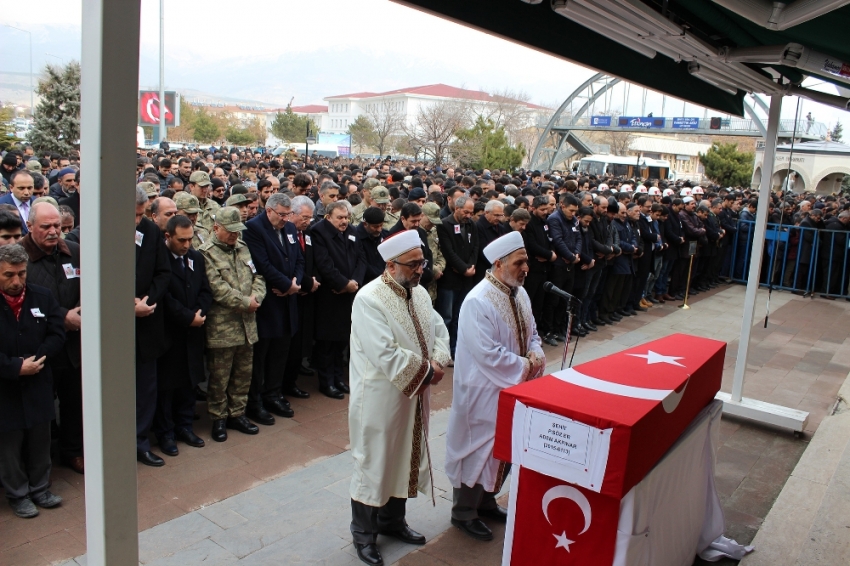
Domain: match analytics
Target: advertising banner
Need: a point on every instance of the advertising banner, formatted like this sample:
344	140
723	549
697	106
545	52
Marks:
685	123
342	141
644	123
600	121
149	108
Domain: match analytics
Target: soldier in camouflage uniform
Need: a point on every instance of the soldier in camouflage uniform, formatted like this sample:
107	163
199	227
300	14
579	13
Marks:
241	202
199	187
187	205
366	193
381	199
231	323
430	220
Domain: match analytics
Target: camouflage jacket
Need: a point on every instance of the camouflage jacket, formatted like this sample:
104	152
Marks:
200	238
206	218
233	279
439	261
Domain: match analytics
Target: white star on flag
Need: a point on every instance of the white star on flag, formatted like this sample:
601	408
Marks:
655	358
563	541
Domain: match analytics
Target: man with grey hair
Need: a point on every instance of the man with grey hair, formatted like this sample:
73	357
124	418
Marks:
153	274
328	193
275	251
490	227
31	331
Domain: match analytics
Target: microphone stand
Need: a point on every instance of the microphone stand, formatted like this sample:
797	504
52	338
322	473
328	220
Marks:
567	332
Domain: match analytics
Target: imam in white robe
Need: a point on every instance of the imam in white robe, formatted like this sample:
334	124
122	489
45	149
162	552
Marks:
496	333
395	333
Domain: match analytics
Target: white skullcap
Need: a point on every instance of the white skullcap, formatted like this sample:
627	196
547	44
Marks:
372	173
398	244
502	246
686	200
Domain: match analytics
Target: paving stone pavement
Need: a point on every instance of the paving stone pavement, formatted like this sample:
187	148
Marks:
282	497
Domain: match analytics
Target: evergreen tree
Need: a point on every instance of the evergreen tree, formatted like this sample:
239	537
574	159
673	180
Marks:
727	166
204	128
56	124
362	132
290	127
483	146
837	132
7	128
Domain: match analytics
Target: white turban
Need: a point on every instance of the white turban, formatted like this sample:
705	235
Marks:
502	246
398	244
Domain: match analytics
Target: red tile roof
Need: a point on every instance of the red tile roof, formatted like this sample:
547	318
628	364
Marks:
310	109
438	90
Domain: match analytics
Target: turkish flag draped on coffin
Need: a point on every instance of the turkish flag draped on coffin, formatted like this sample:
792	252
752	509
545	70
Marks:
562	524
596	430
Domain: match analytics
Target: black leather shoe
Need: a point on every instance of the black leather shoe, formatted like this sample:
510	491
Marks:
279	408
549	339
640	308
499	514
242	424
150	459
474	528
219	430
406	534
167	447
615	316
602	320
260	415
579	331
200	394
590	326
559	336
369	554
342	386
297	393
189	437
332	392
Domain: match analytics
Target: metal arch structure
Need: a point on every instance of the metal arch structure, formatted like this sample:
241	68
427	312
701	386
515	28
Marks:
552	141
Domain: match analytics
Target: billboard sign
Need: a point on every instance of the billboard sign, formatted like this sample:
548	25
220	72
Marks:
602	121
149	108
341	141
643	123
685	123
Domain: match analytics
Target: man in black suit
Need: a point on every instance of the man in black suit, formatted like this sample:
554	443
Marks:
540	258
302	341
21	184
340	265
271	239
370	233
32	329
181	367
489	227
153	275
459	244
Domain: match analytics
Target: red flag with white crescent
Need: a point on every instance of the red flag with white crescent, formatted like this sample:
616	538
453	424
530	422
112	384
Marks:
558	523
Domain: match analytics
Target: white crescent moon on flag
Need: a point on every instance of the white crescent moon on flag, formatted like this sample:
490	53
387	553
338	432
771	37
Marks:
149	110
571	493
668	397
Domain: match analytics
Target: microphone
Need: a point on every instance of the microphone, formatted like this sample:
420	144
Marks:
549	288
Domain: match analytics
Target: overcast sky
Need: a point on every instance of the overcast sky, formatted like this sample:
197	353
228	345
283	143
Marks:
271	51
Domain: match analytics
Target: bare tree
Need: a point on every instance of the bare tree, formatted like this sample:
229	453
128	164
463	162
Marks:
387	120
434	127
509	110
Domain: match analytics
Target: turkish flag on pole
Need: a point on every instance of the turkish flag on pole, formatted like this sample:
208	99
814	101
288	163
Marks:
554	522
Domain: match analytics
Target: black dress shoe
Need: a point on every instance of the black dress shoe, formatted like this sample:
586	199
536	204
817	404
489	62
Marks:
242	424
342	386
189	437
297	393
219	430
615	316
369	554
474	528
590	326
549	339
499	514
602	320
260	415
279	408
200	394
150	459
640	308
332	392
406	534
167	447
559	336
579	331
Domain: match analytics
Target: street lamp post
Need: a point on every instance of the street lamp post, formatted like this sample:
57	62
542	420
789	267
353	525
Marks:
307	141
32	105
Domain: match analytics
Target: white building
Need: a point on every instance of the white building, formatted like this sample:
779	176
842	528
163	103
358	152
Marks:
820	166
344	109
683	156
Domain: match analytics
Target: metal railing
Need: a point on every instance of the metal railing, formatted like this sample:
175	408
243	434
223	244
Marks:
805	129
796	258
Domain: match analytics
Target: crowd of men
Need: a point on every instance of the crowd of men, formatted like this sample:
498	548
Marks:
247	267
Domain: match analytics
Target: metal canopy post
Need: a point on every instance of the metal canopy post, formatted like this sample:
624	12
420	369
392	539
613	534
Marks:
735	404
109	97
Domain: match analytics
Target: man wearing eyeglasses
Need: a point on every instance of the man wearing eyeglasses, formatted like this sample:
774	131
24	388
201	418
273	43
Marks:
271	239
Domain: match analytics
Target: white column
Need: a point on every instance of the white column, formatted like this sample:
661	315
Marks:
758	248
110	78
